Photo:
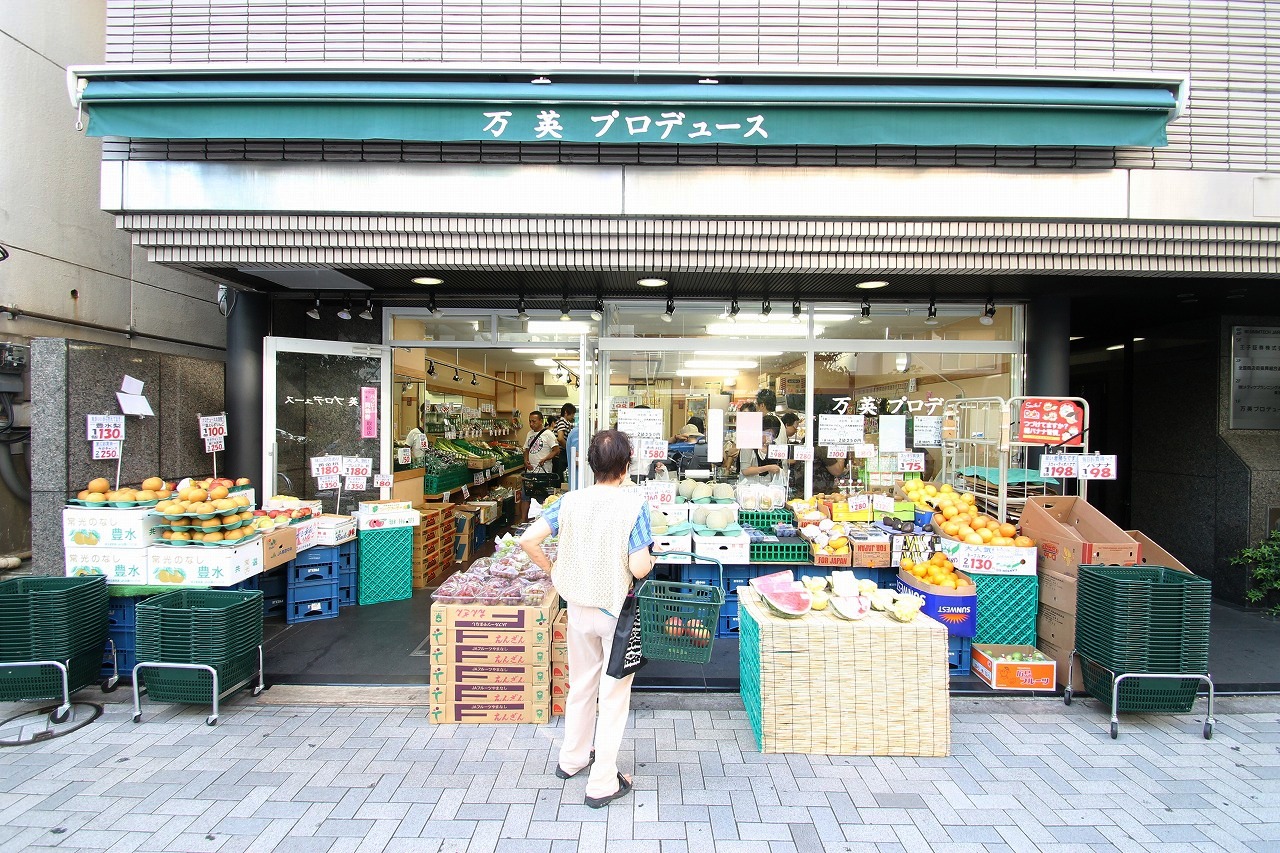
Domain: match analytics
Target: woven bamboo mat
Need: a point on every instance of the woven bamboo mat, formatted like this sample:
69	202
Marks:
833	687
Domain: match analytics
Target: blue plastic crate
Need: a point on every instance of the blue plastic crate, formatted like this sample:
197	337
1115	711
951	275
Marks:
884	578
707	574
125	661
347	592
309	573
309	602
736	576
274	605
481	534
959	654
344	554
727	625
122	612
126	642
272	583
247	585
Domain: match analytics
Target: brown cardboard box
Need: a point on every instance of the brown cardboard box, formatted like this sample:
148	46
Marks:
507	674
1069	532
1056	637
515	654
490	694
560	653
279	546
1057	591
560	628
441	636
559	670
476	712
1062	656
1154	555
501	617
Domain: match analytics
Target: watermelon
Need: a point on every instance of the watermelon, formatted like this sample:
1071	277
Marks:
784	580
850	607
789	604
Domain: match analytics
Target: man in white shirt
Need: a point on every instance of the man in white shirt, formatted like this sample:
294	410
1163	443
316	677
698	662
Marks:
540	445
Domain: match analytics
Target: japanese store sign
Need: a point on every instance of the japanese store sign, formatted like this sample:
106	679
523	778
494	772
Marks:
1255	378
741	125
1056	422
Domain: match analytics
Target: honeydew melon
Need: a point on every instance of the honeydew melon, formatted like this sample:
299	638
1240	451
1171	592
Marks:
722	491
701	491
699	514
719	519
686	487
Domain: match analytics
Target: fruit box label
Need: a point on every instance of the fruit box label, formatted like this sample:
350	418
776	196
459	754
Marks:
1010	674
196	565
489	694
559	670
107	527
475	712
988	559
560	628
442	636
118	565
870	555
497	617
560	652
515	654
442	673
958	612
372	507
388	520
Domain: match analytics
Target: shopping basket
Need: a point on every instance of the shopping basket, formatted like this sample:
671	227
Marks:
678	620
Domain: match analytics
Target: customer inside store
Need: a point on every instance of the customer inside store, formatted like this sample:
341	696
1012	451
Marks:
756	463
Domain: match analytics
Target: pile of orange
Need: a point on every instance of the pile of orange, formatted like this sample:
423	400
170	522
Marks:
957	517
937	570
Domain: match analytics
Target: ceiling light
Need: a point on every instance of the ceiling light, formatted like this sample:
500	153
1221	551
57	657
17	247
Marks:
427	279
694	371
989	313
431	367
1136	340
671	310
871	285
544	362
865	319
314	311
597	313
555	327
540	81
932	319
455	375
521	314
722	365
723	353
344	313
795	310
708	81
367	313
559	327
771	330
1076	338
1116	347
651	282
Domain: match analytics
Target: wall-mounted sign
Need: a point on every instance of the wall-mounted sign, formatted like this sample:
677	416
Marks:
1255	378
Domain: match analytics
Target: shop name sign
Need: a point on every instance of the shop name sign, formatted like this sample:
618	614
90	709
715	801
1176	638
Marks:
1255	378
600	123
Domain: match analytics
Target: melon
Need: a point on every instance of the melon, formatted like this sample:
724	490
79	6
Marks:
719	519
699	514
850	607
722	491
686	487
789	604
783	580
701	491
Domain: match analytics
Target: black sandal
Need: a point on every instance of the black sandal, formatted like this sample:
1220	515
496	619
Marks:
624	788
561	773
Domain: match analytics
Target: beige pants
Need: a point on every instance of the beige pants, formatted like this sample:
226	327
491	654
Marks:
590	638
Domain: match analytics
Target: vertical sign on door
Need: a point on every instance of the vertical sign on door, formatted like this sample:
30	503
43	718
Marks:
368	412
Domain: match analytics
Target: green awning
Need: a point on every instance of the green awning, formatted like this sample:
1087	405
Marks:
890	113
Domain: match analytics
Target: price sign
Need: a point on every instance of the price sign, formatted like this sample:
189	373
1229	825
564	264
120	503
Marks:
404	455
864	451
911	462
926	431
106	428
803	453
327	482
837	452
660	493
859	503
423	442
215	443
383	481
1097	468
450	435
882	503
477	479
841	429
326	466
466	493
106	450
356	483
213	426
357	466
655	450
1060	465
777	451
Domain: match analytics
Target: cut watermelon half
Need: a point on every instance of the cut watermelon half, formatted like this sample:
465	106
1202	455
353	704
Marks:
784	581
789	604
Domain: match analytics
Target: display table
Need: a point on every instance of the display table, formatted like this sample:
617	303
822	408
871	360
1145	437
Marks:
822	685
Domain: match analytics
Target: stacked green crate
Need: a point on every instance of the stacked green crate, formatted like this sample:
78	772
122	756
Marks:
217	628
1006	608
386	565
1143	619
749	673
59	619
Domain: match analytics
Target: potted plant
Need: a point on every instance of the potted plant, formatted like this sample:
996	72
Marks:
1263	564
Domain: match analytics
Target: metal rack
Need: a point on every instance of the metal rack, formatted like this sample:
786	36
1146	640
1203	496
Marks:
1117	678
215	694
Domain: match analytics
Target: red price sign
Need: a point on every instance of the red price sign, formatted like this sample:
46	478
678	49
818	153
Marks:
106	450
1060	465
1098	468
105	428
837	452
911	462
213	426
859	503
356	484
357	466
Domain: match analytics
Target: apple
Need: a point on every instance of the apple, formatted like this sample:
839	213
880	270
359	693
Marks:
699	632
259	512
242	481
675	627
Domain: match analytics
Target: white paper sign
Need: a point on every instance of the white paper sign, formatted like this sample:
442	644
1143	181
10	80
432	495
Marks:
660	493
893	433
1061	465
477	479
357	466
858	503
777	451
106	450
715	435
134	404
404	455
356	483
129	385
644	428
841	429
655	450
383	481
882	503
911	463
212	444
1097	467
326	482
213	426
926	431
803	453
864	451
466	493
838	451
326	466
105	428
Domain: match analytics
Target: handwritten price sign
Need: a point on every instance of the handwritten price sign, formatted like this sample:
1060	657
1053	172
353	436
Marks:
106	450
1098	468
859	503
326	466
328	482
837	452
356	483
803	453
655	450
911	462
864	451
213	426
660	493
214	443
777	451
882	503
106	428
357	466
1065	465
466	493
383	481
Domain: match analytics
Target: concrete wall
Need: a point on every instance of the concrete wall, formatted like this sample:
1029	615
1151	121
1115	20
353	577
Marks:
66	257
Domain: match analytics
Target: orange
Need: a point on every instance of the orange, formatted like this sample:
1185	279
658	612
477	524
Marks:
949	511
1008	531
981	520
1024	542
907	563
945	487
986	535
950	528
938	558
973	539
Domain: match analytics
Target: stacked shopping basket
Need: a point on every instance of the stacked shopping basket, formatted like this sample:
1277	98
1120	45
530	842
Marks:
52	631
1143	619
188	635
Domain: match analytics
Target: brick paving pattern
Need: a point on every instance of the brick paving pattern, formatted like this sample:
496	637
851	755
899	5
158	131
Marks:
1023	775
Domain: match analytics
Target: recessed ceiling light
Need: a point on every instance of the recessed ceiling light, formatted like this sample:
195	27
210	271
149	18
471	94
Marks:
1116	347
871	285
708	81
427	279
1136	340
1077	337
651	282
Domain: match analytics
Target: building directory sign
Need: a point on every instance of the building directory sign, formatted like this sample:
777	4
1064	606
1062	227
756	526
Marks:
1255	377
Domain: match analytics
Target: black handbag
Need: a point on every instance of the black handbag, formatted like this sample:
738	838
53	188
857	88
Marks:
624	656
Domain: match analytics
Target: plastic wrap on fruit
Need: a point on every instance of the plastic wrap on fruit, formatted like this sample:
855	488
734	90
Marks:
533	573
513	593
504	570
491	592
534	593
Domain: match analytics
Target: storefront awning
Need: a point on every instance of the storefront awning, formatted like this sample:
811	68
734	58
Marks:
925	113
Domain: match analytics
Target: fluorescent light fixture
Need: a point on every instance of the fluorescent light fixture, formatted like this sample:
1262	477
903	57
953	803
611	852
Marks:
708	81
871	285
728	353
833	318
556	327
1136	340
559	327
721	365
540	80
697	371
651	282
427	280
772	330
1076	338
544	362
1116	347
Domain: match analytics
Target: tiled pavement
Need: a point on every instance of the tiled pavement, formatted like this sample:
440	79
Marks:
1024	775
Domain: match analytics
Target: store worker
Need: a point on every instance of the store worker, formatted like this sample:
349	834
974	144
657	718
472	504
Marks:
604	544
560	462
757	462
827	473
766	401
540	445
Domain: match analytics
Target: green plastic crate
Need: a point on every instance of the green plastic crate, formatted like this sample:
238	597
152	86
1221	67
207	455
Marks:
1142	695
1007	606
195	686
765	519
791	551
749	673
52	618
663	600
386	565
198	625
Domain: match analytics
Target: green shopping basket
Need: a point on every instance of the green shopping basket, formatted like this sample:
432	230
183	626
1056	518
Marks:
678	620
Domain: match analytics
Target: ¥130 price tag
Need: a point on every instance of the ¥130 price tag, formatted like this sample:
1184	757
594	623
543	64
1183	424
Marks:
911	462
383	481
106	450
1065	465
1097	467
215	443
327	482
213	426
105	428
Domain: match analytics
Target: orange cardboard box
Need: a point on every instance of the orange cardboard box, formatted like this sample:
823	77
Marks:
1154	555
442	636
1012	675
559	669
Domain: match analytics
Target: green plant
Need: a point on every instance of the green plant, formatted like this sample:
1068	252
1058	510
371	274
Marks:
1263	562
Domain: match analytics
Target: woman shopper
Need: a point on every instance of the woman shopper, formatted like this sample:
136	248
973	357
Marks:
604	544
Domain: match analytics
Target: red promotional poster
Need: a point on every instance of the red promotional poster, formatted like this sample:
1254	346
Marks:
1053	422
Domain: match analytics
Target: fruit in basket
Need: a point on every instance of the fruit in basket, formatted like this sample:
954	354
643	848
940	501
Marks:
850	607
697	631
675	627
788	604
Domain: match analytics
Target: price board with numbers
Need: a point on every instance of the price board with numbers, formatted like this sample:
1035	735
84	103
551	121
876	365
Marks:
1097	467
214	443
804	453
326	466
106	450
777	451
655	450
213	426
355	483
1060	465
837	451
383	481
882	503
357	466
912	463
327	482
105	428
660	493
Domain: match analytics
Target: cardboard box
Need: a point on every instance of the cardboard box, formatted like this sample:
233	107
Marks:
119	565
442	635
305	533
442	673
195	565
734	548
560	653
959	612
279	546
334	529
1057	591
508	654
557	705
1068	532
499	617
479	712
874	552
1062	657
1153	555
386	520
989	559
379	507
487	512
663	542
490	694
560	628
559	671
108	527
1012	675
1056	627
465	519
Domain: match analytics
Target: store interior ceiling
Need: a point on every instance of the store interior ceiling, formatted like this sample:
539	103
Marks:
1105	310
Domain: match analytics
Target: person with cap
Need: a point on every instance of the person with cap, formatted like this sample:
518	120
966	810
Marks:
690	432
